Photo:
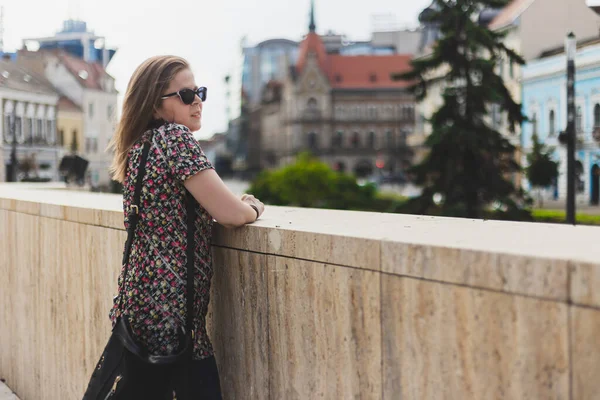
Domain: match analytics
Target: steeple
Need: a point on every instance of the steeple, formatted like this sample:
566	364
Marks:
311	26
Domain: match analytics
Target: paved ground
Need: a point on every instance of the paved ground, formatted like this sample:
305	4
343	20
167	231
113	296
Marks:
6	393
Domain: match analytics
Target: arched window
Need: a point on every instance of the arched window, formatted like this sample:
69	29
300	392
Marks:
311	104
597	116
551	123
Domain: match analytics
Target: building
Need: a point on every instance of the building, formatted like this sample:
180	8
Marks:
531	27
545	104
90	89
74	61
344	109
269	97
70	126
76	40
28	125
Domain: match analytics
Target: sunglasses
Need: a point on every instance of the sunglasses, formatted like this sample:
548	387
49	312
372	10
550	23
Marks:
187	96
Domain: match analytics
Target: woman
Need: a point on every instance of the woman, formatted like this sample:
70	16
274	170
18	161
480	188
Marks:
162	107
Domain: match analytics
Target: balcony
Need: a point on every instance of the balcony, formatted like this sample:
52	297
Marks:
311	303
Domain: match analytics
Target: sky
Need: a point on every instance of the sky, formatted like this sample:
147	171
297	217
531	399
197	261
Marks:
207	34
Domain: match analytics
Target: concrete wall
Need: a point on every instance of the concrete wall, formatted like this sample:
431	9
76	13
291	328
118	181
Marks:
319	304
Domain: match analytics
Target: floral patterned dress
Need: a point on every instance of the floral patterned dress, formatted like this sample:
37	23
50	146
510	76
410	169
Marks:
154	295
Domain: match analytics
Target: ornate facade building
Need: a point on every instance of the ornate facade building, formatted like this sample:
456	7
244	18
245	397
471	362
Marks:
343	108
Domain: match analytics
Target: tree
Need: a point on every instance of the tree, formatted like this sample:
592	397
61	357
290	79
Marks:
541	170
311	183
469	163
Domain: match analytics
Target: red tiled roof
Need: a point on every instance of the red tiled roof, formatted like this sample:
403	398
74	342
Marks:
366	72
354	72
95	72
65	104
312	43
509	13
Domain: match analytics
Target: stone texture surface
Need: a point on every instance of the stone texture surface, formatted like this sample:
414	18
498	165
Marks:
585	284
532	276
585	336
238	323
334	249
6	393
324	333
444	341
319	303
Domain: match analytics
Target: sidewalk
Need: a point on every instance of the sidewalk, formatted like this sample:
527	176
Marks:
6	393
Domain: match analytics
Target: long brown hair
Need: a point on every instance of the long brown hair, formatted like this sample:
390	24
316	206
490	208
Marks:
148	83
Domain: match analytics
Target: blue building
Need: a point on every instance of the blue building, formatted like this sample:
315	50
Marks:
544	97
76	40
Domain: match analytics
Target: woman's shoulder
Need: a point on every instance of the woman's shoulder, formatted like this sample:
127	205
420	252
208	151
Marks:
171	133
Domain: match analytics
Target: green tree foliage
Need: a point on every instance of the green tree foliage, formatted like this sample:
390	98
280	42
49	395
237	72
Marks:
541	169
311	183
469	164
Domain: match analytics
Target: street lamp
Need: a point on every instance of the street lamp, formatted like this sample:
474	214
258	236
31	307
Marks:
570	50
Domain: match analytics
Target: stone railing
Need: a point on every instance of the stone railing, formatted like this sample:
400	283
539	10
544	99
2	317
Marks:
311	304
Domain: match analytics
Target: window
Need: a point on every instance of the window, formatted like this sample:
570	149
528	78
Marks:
7	128
551	123
579	120
597	116
61	137
40	130
338	139
534	124
356	140
389	138
74	145
312	141
50	131
91	110
109	112
372	140
19	129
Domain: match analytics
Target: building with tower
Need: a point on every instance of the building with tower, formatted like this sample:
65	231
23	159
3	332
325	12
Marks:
343	108
327	95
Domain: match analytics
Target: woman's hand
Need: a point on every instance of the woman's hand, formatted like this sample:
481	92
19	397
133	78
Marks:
253	201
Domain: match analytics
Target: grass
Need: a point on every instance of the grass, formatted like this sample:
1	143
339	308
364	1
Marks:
560	217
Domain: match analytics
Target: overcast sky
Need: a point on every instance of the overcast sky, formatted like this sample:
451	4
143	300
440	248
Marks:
206	33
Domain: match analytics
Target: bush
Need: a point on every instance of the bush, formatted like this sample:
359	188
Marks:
560	217
311	183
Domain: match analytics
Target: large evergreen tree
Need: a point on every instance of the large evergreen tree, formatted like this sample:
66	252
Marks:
469	163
